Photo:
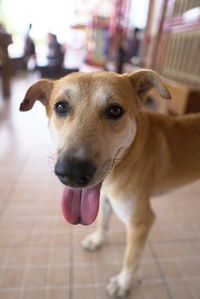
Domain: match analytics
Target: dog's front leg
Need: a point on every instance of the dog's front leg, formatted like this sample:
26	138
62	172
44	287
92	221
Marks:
95	240
137	230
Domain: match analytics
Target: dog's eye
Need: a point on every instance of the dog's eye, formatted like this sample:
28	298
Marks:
114	111
61	108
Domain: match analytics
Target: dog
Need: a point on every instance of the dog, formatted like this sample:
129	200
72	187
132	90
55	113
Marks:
108	147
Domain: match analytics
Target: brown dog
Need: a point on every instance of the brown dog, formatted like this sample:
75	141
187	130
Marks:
106	144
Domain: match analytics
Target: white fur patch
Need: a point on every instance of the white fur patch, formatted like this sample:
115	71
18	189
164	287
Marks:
124	209
92	241
120	284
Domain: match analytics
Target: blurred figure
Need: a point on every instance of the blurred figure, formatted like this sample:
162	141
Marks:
124	47
5	64
117	50
55	55
2	29
132	44
29	50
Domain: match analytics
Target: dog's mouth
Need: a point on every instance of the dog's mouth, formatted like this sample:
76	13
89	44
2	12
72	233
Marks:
80	205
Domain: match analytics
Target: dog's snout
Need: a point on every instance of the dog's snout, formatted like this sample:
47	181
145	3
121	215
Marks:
74	172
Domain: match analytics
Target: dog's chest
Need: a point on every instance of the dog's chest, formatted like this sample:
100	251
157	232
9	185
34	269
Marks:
122	201
124	209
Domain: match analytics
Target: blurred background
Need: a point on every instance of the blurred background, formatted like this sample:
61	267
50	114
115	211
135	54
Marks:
118	35
40	255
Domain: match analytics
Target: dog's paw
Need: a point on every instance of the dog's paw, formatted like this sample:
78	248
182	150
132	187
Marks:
120	285
92	241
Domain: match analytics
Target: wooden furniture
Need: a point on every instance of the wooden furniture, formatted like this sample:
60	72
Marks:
171	46
5	40
185	97
178	55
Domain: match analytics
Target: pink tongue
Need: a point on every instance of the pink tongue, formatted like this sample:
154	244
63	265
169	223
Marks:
80	205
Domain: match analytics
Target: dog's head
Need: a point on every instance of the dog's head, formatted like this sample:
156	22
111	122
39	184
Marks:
93	120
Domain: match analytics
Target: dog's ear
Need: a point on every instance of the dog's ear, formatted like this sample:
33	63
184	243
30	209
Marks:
143	80
40	90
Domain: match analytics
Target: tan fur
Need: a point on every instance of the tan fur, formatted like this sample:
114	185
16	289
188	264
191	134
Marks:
155	153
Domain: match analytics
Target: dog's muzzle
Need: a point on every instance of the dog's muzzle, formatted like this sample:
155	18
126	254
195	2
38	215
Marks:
74	172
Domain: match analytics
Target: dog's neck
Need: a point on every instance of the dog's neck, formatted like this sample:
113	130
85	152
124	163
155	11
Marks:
132	156
135	150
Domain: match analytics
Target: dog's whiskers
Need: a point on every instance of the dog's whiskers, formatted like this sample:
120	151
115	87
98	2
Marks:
109	164
51	162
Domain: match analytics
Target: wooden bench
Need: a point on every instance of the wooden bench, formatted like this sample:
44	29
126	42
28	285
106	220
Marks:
185	98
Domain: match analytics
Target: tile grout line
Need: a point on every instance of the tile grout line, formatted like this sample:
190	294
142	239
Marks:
16	178
48	268
14	183
71	266
162	273
95	274
34	231
26	266
83	285
185	277
24	276
82	264
186	240
4	264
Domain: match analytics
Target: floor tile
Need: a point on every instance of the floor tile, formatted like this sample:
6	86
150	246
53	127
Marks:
58	275
9	294
149	270
155	291
17	256
172	269
84	292
39	255
33	294
180	289
59	255
58	293
83	275
104	271
35	276
194	285
11	277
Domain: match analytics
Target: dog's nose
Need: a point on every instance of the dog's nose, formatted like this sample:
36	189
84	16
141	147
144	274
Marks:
74	172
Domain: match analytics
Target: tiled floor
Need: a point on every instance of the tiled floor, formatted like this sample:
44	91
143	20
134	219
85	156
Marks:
40	255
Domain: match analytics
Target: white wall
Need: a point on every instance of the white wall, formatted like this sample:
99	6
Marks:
139	12
46	16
